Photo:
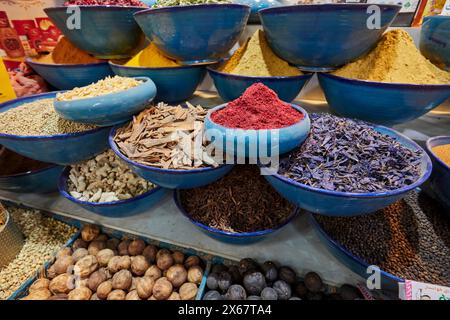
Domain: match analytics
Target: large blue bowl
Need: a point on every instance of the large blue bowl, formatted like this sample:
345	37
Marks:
172	178
107	32
232	86
240	142
61	148
174	84
435	40
378	102
69	76
109	109
438	186
117	209
342	30
335	203
195	33
233	237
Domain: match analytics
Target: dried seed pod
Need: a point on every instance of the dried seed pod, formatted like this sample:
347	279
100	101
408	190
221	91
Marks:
64	252
81	293
178	257
62	264
122	280
162	289
112	243
116	295
144	287
41	283
85	266
79	254
79	243
96	246
177	275
122	248
191	261
153	272
164	261
174	296
118	263
150	252
96	278
89	232
63	283
104	289
39	294
195	274
188	291
132	295
103	257
139	265
136	247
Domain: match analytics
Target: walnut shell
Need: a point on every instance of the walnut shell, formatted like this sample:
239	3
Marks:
112	243
132	295
164	261
139	265
162	252
177	275
144	287
85	266
178	257
96	278
51	273
79	254
122	280
95	247
174	296
116	295
62	264
104	289
64	252
38	294
153	272
95	297
81	293
89	232
195	274
188	291
191	261
118	263
60	296
63	283
150	252
122	248
136	247
41	283
79	243
162	289
103	257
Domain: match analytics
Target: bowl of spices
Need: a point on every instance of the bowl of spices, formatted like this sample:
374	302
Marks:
344	30
434	40
22	174
207	32
68	67
259	121
107	186
438	185
392	84
107	102
165	145
175	83
31	127
349	167
240	208
256	62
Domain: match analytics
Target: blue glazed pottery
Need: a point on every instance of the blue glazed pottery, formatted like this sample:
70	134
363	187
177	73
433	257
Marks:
257	5
121	208
438	186
335	203
107	32
354	263
435	40
196	33
244	143
174	84
325	36
69	76
378	102
109	109
233	237
61	148
231	86
172	178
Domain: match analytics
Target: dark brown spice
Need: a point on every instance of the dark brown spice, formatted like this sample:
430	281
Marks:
12	163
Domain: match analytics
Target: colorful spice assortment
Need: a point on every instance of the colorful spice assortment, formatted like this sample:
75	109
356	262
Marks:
105	86
350	156
409	239
443	153
122	3
38	118
395	59
258	108
256	59
172	3
242	201
104	179
170	137
12	163
151	57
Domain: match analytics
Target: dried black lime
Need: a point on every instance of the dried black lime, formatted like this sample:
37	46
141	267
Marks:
253	298
283	290
287	274
246	265
212	295
236	292
301	290
254	282
218	268
349	292
235	274
269	293
212	282
313	282
270	271
224	281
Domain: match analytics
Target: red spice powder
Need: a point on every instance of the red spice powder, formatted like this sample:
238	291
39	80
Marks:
258	108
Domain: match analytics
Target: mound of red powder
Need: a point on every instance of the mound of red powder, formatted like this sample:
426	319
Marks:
258	108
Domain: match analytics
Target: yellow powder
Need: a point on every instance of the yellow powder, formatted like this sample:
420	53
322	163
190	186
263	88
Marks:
66	53
258	60
443	153
151	57
395	59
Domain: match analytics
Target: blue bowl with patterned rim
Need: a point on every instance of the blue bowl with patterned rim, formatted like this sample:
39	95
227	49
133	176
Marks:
69	76
107	32
201	33
336	203
109	109
61	149
120	208
435	40
233	237
379	102
232	86
438	186
174	84
172	178
343	30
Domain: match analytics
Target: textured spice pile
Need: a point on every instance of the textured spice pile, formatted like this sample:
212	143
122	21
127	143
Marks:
151	57
122	3
443	153
395	59
66	53
171	3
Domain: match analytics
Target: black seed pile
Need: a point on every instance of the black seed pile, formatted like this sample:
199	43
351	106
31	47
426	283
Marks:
409	239
350	156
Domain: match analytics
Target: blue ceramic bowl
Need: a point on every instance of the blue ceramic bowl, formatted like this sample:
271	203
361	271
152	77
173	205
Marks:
173	84
172	178
354	263
107	32
61	148
233	237
257	5
239	141
438	186
334	203
435	40
109	109
292	32
196	33
378	102
69	76
121	208
231	86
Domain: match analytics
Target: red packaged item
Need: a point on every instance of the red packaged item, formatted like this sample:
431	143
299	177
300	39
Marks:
4	21
10	42
23	26
35	38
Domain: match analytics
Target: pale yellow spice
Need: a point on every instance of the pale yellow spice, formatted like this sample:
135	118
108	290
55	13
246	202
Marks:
443	153
395	59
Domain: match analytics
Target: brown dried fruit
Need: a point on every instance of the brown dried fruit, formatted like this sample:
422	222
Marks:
116	295
63	283
79	243
152	298
162	252
118	263
122	280
82	293
164	261
112	243
51	273
174	296
139	265
104	289
96	246
41	283
136	247
132	295
79	254
62	264
101	237
60	296
39	294
191	262
195	274
144	287
103	257
150	252
162	289
153	272
85	266
89	232
177	275
178	257
95	297
122	248
188	291
96	278
64	252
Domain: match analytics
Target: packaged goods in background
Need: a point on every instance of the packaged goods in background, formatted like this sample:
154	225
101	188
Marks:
151	57
25	82
443	153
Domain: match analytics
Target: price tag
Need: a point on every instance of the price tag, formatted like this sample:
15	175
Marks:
6	89
412	290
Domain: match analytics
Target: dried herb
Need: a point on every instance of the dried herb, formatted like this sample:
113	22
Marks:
350	156
242	201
